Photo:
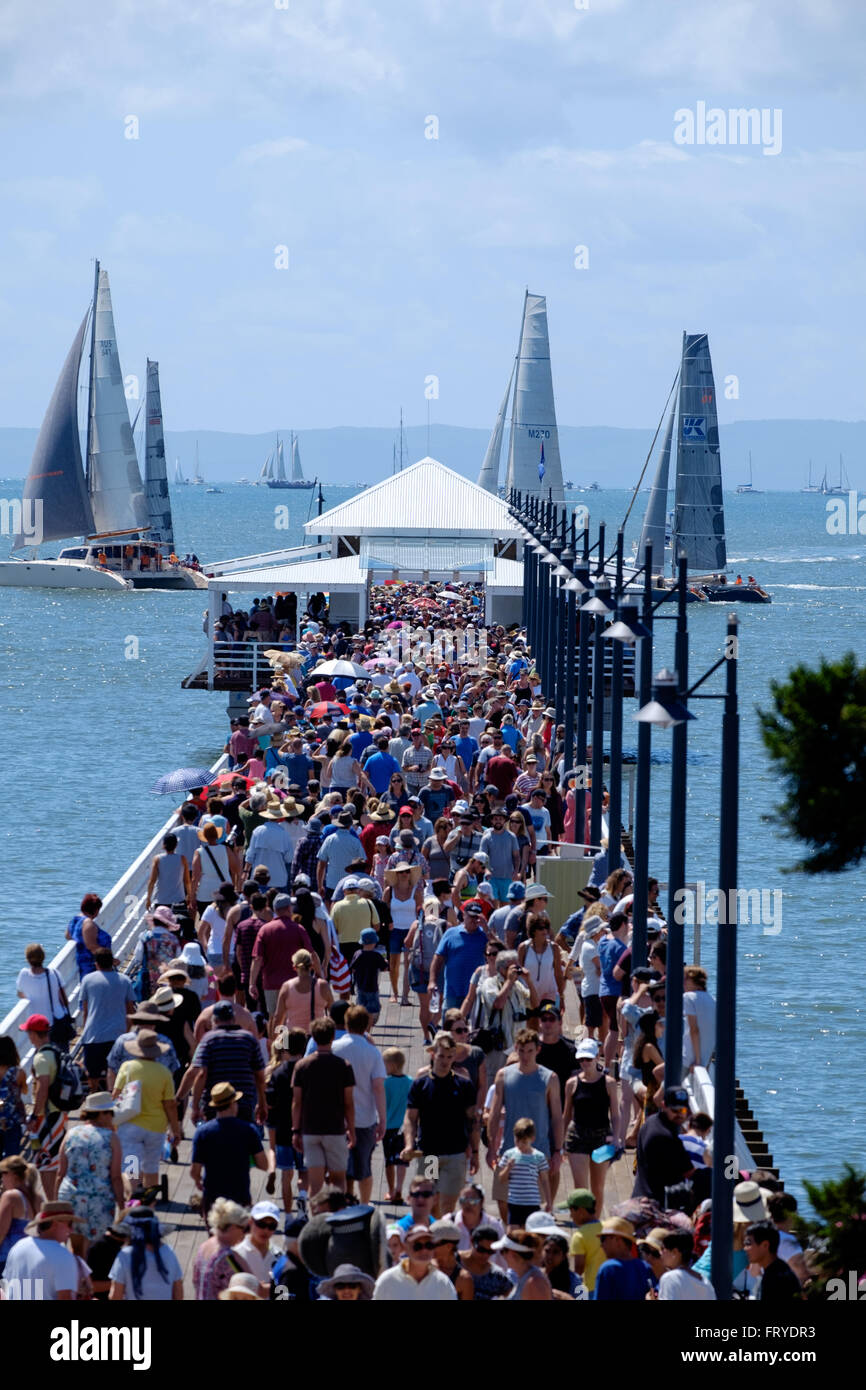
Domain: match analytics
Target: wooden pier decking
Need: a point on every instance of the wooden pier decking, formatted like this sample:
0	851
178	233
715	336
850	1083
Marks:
397	1027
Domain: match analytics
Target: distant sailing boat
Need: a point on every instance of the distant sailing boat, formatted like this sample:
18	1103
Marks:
99	493
844	486
747	487
534	464
810	486
179	479
278	477
196	478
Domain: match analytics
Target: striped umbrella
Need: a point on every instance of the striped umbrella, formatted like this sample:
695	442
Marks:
327	709
185	779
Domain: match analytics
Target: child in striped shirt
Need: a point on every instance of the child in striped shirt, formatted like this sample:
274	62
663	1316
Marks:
526	1171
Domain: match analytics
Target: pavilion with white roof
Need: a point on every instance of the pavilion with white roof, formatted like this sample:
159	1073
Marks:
425	523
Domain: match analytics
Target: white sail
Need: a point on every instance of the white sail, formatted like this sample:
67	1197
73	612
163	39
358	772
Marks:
534	436
113	477
280	473
297	471
488	478
178	473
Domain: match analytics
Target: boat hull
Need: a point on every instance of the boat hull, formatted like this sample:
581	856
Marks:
736	593
285	485
185	579
56	574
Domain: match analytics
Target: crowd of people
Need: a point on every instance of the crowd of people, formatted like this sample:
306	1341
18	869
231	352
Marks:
381	830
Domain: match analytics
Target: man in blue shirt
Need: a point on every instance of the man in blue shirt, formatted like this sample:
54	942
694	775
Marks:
363	738
339	850
623	1277
438	795
461	951
380	767
223	1147
466	747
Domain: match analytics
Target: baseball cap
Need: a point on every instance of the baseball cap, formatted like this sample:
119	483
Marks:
473	910
282	903
516	893
581	1197
265	1211
223	1012
588	1048
677	1097
36	1023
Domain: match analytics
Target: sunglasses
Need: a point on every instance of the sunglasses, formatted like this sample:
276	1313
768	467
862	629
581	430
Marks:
484	1249
344	1285
470	1201
460	1030
421	1245
423	1192
265	1225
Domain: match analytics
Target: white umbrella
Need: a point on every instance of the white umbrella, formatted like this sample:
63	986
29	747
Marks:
448	593
342	668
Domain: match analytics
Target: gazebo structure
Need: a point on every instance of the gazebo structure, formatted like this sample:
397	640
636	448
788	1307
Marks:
425	523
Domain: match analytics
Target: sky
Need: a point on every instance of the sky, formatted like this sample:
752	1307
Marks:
305	128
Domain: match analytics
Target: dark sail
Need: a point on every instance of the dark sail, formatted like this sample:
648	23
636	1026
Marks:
56	477
655	521
699	516
155	480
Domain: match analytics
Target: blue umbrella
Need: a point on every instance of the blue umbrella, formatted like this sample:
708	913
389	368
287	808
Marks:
182	781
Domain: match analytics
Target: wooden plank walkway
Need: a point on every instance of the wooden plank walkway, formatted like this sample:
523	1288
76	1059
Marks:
397	1027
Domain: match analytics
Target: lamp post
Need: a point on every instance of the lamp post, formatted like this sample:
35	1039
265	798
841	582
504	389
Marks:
581	579
633	632
614	820
599	607
726	981
567	561
677	847
544	601
559	573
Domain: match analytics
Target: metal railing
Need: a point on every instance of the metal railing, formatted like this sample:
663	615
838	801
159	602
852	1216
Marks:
122	916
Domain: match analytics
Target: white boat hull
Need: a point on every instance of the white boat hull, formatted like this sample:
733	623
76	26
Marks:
56	574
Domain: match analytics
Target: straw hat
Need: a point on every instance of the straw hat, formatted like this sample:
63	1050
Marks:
165	999
241	1286
414	871
283	810
97	1103
219	833
52	1211
749	1204
616	1226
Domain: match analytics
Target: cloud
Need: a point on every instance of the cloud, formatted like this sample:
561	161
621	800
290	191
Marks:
274	149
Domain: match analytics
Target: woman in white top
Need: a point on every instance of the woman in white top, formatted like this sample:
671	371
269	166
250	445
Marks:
679	1283
404	895
542	960
344	772
212	927
451	763
40	985
212	865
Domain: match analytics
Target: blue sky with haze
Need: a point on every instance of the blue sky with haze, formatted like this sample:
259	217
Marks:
305	126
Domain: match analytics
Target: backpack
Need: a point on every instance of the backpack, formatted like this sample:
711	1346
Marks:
69	1087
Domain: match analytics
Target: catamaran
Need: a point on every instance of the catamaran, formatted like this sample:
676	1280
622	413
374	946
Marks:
277	476
534	465
126	524
698	523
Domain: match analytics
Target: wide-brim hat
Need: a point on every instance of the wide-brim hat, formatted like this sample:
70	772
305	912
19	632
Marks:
52	1211
220	829
284	810
173	972
414	873
383	813
223	1094
97	1103
749	1204
165	999
146	1014
164	917
146	1045
616	1226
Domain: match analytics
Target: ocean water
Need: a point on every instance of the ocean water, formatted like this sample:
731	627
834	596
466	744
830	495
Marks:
91	718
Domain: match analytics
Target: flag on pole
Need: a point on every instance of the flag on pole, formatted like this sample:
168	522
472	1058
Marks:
541	464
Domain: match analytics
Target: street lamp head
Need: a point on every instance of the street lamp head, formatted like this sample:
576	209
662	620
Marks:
628	628
561	572
664	709
575	586
548	558
600	602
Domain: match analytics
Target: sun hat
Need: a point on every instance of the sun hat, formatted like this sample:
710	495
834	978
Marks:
749	1204
590	894
413	870
164	916
506	1243
446	1231
247	1285
347	1274
616	1226
36	1023
52	1211
550	712
191	954
223	1094
350	885
165	999
98	1102
542	1223
148	1016
173	971
369	937
537	890
438	774
146	1045
587	1048
218	833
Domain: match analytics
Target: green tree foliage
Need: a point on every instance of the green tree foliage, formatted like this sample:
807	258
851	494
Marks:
835	1243
816	735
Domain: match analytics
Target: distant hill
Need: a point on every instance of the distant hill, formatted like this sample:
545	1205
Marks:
781	450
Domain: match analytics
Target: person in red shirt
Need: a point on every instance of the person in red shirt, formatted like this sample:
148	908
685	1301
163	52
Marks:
325	690
502	772
275	944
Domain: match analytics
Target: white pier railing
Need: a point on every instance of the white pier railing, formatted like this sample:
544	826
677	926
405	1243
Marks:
122	916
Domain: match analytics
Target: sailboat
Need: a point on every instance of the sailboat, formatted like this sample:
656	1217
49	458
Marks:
698	525
196	478
810	486
844	487
278	477
747	488
179	479
534	464
97	493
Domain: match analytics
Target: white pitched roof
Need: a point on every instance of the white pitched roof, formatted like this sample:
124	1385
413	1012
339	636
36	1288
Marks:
422	500
341	575
507	574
